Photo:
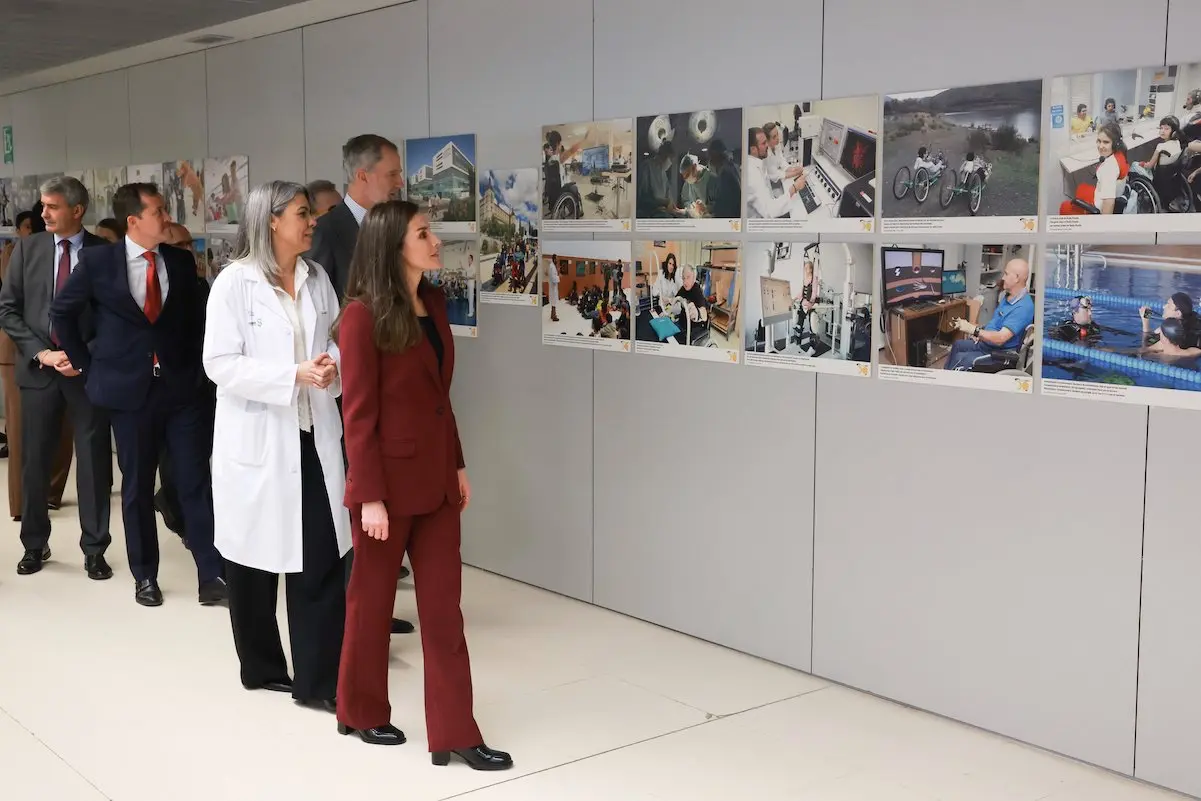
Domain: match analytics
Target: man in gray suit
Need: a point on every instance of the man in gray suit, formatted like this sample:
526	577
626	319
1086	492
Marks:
50	386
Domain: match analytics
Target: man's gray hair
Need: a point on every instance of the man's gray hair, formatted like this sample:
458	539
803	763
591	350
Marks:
71	189
319	186
253	242
363	152
688	268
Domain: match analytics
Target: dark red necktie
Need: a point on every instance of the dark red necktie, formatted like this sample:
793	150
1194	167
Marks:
154	293
61	276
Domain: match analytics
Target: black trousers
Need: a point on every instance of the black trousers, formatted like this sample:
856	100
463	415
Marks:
167	498
140	437
316	600
41	430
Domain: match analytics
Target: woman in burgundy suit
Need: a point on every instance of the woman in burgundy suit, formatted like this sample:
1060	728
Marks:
406	485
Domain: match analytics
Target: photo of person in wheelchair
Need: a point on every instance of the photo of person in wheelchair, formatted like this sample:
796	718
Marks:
695	304
1004	343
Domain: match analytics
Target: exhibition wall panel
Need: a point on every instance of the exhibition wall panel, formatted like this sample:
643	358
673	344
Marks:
168	115
1169	695
256	105
981	559
525	417
40	118
515	67
526	408
380	55
99	108
938	595
704	498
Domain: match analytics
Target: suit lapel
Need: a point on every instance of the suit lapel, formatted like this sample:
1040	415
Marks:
118	265
40	273
435	306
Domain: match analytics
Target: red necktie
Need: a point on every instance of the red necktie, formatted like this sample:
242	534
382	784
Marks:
60	277
154	294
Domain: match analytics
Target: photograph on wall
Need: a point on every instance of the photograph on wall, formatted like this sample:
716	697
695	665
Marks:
587	176
687	299
183	190
105	183
509	237
586	294
690	172
963	160
227	181
459	279
958	315
1125	151
808	306
1120	323
26	192
811	166
8	205
442	178
218	252
145	174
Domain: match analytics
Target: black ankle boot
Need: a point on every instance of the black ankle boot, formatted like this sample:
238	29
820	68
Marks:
479	758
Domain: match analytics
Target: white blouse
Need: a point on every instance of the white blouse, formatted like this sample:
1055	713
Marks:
304	407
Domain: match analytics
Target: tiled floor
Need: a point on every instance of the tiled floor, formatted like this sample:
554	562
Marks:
100	698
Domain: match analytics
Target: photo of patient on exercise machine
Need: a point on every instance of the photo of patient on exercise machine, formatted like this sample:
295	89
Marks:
690	172
587	176
586	294
963	152
1126	148
1120	323
963	313
688	294
809	306
811	166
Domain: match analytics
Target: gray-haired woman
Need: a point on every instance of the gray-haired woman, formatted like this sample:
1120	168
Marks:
278	475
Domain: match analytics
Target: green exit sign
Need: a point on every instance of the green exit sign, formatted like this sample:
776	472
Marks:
8	144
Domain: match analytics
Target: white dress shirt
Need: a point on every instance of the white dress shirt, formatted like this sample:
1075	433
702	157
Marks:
291	305
135	262
76	244
358	211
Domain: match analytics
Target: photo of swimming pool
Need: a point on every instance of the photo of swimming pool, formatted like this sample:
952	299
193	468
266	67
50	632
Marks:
1123	316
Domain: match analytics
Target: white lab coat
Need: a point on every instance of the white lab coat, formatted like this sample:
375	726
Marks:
249	355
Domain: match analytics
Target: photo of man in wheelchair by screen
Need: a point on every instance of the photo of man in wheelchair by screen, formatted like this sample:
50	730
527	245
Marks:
958	309
1126	150
688	293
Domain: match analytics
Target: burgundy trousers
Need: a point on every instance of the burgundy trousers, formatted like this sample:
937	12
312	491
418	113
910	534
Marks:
432	542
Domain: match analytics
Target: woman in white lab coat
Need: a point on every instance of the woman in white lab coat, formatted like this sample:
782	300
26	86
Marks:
278	475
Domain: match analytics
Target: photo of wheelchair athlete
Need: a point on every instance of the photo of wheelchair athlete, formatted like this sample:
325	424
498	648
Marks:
1126	142
975	149
587	174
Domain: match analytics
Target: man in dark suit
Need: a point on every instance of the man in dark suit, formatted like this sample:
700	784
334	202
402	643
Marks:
373	175
144	365
50	385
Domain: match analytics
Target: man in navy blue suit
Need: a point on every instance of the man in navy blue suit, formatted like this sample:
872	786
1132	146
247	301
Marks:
143	366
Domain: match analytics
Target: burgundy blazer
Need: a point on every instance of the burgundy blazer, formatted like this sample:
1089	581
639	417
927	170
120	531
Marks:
402	441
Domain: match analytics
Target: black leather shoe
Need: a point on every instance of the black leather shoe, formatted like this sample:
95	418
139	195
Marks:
32	561
97	567
479	758
380	735
213	592
404	573
277	686
170	519
147	593
402	626
320	704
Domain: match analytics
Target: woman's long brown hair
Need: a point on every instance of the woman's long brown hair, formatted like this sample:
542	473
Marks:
377	276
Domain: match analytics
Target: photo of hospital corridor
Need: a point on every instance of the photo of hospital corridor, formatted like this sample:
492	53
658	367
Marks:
935	297
687	292
809	299
831	143
1123	144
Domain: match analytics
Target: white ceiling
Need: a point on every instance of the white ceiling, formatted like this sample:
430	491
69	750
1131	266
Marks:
43	42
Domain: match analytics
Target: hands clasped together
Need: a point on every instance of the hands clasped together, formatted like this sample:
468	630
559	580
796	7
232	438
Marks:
319	372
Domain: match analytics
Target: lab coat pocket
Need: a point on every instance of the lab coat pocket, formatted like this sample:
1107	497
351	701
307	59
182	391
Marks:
398	448
249	439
